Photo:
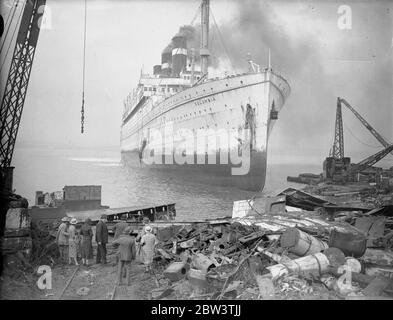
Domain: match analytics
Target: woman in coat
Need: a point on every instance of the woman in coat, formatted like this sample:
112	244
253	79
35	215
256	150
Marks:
72	242
148	243
86	244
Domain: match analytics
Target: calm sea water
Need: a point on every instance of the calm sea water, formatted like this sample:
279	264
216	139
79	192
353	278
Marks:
49	169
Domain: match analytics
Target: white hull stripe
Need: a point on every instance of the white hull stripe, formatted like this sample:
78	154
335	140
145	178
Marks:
179	51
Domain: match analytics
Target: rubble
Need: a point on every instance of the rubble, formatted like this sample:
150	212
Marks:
176	270
310	247
292	246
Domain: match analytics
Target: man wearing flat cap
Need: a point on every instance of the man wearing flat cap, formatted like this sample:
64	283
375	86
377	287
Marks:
101	239
127	253
62	239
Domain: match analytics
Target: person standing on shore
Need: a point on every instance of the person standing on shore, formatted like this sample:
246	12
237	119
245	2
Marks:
118	230
72	242
86	244
62	239
101	239
126	253
148	243
119	227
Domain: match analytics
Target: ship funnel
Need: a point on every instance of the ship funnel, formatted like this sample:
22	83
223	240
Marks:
179	55
166	61
157	69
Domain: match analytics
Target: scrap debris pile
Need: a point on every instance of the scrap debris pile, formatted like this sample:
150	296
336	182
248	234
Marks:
293	246
44	250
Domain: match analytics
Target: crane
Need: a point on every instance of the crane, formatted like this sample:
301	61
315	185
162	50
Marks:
371	160
12	106
338	145
16	87
338	167
365	123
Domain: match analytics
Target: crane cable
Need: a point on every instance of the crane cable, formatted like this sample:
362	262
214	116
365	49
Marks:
362	142
83	76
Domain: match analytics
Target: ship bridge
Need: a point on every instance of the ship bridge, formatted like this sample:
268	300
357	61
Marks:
158	88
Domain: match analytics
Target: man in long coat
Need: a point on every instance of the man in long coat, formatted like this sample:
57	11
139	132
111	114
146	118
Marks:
101	239
120	227
127	253
62	239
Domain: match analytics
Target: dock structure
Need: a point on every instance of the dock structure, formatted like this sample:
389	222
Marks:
137	212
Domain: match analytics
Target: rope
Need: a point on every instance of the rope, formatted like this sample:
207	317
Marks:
352	134
84	70
196	14
222	41
12	37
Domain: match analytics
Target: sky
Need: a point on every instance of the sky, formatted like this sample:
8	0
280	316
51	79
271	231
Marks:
319	60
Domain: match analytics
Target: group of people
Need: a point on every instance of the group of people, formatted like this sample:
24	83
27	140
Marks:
74	243
130	244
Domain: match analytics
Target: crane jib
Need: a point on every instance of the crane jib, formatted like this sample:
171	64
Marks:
18	79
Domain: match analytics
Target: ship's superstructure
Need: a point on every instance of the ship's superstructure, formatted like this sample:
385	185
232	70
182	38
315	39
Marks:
209	130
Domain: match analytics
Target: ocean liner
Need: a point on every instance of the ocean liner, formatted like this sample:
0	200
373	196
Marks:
180	122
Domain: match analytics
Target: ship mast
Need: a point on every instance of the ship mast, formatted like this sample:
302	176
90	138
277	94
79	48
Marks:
192	66
204	51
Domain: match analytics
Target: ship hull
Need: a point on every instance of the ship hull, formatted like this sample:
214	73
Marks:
211	174
240	106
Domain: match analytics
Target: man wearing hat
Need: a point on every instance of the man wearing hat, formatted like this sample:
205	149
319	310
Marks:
118	230
126	254
62	239
101	239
